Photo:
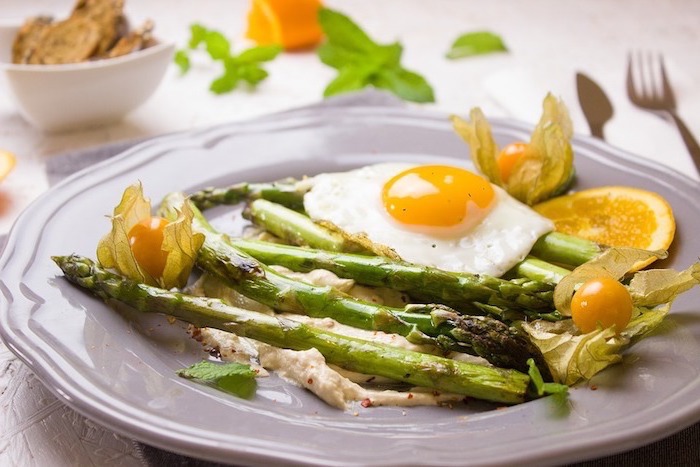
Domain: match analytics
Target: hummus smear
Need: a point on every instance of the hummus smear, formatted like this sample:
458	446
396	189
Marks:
308	368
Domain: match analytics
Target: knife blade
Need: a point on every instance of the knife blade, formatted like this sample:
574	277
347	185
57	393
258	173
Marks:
595	104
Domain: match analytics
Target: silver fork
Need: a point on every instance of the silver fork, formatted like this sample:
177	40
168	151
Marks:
654	93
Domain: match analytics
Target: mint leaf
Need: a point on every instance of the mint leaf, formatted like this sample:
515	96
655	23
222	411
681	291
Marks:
224	83
217	45
362	62
390	55
343	33
263	53
182	60
242	68
476	43
406	84
348	79
252	74
197	35
234	378
338	57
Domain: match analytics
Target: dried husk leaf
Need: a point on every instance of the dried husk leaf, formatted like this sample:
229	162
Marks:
656	286
547	167
548	164
613	262
573	357
477	134
181	244
113	250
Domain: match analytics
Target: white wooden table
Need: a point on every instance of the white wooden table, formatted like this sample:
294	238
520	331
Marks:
548	42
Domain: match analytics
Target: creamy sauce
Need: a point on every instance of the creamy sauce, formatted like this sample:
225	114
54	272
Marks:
335	386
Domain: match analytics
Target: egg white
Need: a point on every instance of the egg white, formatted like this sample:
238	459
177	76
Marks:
352	201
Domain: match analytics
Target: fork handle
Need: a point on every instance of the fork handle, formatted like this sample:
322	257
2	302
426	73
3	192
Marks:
688	139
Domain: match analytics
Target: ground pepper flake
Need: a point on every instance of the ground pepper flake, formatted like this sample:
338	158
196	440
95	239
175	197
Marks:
366	403
410	395
310	381
594	387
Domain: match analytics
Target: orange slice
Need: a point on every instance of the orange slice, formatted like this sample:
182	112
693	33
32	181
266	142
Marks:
616	216
291	24
7	163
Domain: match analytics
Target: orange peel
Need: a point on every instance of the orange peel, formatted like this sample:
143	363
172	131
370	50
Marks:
7	163
291	24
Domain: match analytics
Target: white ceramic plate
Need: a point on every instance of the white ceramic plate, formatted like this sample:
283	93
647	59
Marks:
120	370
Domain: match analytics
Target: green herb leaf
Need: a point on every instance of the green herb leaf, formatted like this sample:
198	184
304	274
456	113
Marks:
224	83
197	35
406	84
217	45
234	378
361	62
476	43
252	74
348	79
244	67
259	54
182	60
343	33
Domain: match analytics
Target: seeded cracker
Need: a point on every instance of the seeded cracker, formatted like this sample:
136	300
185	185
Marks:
134	41
108	15
27	38
69	41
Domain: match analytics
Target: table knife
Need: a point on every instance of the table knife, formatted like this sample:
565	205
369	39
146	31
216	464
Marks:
595	104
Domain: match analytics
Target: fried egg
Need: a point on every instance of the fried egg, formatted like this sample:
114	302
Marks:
441	216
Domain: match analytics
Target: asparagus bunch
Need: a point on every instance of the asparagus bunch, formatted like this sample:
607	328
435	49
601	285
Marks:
442	374
509	300
471	292
553	247
500	344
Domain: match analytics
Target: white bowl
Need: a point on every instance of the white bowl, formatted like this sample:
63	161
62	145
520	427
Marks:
80	95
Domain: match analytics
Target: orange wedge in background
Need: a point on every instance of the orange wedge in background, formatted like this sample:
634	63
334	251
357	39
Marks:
616	216
7	163
293	24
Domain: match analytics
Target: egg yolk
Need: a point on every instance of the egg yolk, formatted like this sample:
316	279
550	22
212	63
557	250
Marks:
437	196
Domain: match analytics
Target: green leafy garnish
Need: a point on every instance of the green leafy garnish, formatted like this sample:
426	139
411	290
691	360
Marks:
361	62
245	67
542	388
235	378
182	60
476	43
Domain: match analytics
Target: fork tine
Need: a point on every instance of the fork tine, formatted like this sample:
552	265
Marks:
638	88
649	76
631	90
667	90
